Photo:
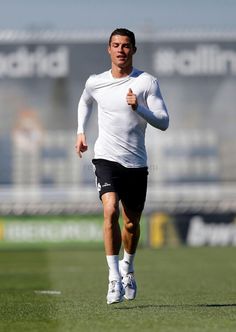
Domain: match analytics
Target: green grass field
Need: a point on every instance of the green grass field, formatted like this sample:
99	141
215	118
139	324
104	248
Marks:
182	289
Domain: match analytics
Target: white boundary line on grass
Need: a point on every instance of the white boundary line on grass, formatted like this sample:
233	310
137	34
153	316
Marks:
48	292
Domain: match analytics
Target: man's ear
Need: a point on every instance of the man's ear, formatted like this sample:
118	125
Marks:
108	49
135	49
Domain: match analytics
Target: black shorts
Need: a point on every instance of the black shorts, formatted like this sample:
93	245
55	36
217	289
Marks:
129	183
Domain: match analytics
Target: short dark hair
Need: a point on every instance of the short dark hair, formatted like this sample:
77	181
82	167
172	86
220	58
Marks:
123	32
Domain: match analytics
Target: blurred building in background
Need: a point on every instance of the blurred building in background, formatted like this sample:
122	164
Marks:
192	166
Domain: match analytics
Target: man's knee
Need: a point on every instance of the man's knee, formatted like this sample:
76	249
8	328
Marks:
110	207
111	211
131	226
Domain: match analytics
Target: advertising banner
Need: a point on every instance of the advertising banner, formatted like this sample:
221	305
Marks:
192	230
41	230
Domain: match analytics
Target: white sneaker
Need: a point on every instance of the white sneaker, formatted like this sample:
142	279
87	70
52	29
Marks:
115	292
130	286
129	283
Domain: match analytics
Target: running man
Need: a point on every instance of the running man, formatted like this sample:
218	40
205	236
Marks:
127	100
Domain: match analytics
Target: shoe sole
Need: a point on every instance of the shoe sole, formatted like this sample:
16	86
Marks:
114	302
118	300
129	299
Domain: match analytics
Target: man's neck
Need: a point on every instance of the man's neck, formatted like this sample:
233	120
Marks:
118	72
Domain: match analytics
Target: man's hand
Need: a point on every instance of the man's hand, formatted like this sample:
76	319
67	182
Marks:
81	145
131	99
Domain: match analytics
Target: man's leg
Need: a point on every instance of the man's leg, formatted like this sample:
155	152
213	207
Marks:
112	243
130	238
111	228
133	198
131	229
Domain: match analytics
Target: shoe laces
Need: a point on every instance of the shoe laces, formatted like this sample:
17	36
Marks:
129	280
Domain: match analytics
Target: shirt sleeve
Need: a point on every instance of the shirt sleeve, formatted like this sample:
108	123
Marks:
155	113
85	107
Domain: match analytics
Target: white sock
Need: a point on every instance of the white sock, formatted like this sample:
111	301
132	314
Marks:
113	264
128	261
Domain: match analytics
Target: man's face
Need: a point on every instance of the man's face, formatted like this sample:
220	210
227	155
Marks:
121	51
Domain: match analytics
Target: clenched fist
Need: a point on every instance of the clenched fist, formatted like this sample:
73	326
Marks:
131	99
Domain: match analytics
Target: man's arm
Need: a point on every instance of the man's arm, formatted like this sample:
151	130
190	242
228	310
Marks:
156	114
85	107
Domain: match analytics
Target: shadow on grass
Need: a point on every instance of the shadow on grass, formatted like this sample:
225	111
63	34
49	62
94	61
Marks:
183	306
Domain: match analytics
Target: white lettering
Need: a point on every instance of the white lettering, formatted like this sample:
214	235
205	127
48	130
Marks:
53	231
207	59
23	63
201	233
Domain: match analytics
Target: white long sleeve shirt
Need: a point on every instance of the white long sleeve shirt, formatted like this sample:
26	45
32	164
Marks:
121	131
